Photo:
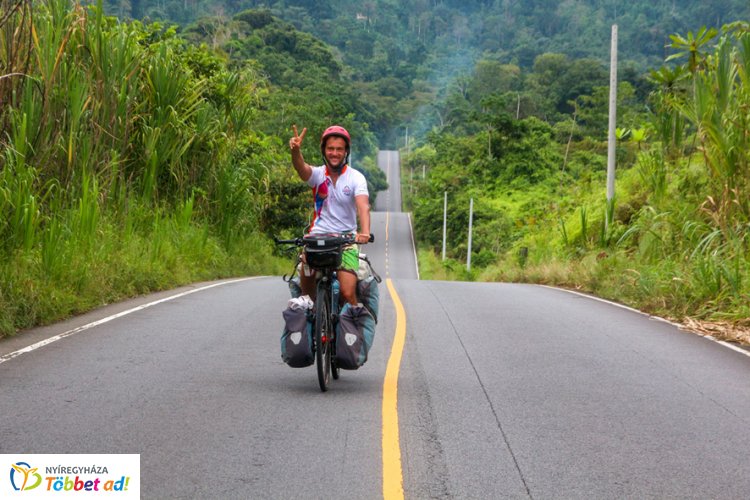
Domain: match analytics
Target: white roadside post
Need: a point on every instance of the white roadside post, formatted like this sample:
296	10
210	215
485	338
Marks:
471	218
611	141
445	219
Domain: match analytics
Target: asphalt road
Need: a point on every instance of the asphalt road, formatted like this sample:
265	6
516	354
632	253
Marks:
504	391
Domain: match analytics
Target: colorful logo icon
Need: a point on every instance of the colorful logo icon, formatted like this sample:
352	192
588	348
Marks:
23	477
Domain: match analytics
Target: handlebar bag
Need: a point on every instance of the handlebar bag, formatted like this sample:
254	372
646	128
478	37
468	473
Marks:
323	251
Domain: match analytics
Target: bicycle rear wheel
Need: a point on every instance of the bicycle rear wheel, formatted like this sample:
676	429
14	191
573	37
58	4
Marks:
323	336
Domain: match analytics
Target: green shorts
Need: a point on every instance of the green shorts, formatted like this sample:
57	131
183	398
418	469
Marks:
350	259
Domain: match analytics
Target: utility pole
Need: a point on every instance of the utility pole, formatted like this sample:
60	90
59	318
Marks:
611	141
489	142
518	105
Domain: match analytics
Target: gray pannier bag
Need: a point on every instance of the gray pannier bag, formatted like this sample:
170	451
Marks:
352	343
296	339
369	296
367	287
295	290
356	327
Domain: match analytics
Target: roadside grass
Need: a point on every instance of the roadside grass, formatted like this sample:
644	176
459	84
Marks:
119	262
659	256
432	267
672	289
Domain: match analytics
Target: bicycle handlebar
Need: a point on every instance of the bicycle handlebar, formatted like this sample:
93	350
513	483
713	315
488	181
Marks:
347	239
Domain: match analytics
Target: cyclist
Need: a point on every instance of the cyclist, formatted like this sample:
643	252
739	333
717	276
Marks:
341	196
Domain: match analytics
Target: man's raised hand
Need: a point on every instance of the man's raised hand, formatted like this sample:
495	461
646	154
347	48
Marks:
296	142
303	169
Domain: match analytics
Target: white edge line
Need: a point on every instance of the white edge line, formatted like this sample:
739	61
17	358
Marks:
621	306
42	343
413	245
728	345
656	318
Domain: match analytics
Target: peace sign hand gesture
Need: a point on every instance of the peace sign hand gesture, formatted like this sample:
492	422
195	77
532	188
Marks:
303	169
296	141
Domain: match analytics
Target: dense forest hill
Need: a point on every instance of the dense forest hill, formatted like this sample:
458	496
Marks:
400	57
515	30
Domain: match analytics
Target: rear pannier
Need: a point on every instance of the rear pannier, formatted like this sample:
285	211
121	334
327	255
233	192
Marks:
369	296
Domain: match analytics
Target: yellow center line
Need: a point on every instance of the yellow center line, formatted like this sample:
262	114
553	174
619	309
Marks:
392	476
393	488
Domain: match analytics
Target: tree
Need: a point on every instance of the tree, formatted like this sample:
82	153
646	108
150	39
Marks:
691	47
492	77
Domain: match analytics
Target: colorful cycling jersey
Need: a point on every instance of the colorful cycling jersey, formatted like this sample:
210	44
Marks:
335	209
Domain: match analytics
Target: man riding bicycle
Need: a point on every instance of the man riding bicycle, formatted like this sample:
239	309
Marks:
341	197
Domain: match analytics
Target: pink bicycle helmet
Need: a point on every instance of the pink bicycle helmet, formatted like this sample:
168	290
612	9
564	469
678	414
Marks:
335	131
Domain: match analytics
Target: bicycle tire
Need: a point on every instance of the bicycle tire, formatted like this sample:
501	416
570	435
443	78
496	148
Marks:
322	332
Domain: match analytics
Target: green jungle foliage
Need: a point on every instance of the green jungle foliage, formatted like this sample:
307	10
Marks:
676	238
132	159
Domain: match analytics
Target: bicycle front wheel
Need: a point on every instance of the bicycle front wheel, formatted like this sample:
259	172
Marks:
323	336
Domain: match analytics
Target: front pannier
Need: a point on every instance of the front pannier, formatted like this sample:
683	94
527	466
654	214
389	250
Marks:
296	339
351	344
356	326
